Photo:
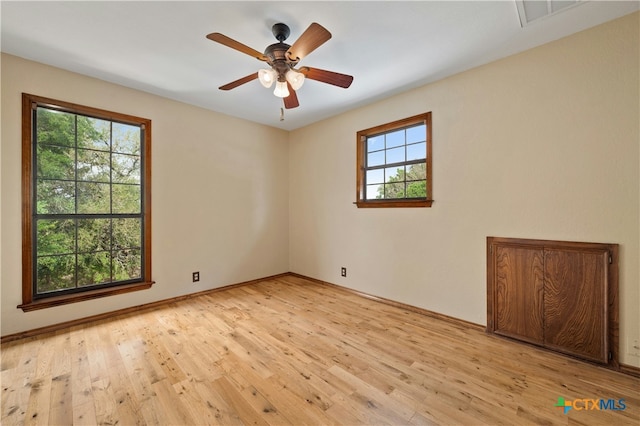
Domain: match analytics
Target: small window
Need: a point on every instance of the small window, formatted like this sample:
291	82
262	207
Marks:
394	164
86	203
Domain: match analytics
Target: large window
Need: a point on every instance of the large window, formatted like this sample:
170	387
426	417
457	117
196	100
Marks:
394	164
86	203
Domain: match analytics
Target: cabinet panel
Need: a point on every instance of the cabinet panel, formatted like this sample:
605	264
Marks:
560	295
519	292
575	303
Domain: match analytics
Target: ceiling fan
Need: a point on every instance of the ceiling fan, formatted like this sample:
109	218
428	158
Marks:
283	59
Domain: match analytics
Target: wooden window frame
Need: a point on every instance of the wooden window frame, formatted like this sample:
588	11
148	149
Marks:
29	300
361	139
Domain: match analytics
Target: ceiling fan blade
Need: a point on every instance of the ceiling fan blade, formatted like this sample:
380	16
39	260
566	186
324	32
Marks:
239	82
291	101
313	37
229	42
330	77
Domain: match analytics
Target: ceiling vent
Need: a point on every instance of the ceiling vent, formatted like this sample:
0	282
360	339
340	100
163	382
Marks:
532	10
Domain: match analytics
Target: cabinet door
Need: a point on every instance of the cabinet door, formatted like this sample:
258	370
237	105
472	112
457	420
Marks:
519	286
575	302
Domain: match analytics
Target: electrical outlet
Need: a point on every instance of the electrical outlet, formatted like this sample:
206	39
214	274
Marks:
343	271
633	347
195	277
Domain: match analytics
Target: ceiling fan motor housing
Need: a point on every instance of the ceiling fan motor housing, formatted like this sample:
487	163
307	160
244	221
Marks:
278	58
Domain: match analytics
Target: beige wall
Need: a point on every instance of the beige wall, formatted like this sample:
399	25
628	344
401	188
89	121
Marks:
544	144
219	193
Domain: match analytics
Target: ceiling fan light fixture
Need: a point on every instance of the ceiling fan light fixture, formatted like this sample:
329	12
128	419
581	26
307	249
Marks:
266	77
281	90
295	78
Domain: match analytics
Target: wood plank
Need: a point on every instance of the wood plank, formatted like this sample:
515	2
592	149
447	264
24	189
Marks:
575	303
61	408
39	406
172	412
519	281
244	410
205	404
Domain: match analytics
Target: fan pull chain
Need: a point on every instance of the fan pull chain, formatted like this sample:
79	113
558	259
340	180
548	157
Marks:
281	114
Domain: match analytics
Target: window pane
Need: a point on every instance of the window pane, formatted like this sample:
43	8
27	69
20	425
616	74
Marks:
94	133
126	233
417	172
417	134
126	138
126	264
395	155
375	176
126	199
375	143
55	197
375	159
126	168
417	151
94	235
374	191
94	268
395	138
394	190
93	198
56	162
56	236
394	174
55	128
55	273
93	165
417	189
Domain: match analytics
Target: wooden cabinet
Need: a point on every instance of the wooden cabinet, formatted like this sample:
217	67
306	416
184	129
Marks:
559	295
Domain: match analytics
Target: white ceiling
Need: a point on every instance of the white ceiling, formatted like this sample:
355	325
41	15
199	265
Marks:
389	47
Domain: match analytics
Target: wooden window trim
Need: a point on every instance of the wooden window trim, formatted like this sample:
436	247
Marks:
361	201
29	302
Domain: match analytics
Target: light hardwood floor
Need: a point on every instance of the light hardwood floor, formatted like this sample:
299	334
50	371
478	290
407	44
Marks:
292	351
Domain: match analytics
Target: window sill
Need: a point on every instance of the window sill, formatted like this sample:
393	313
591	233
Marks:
393	203
50	302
